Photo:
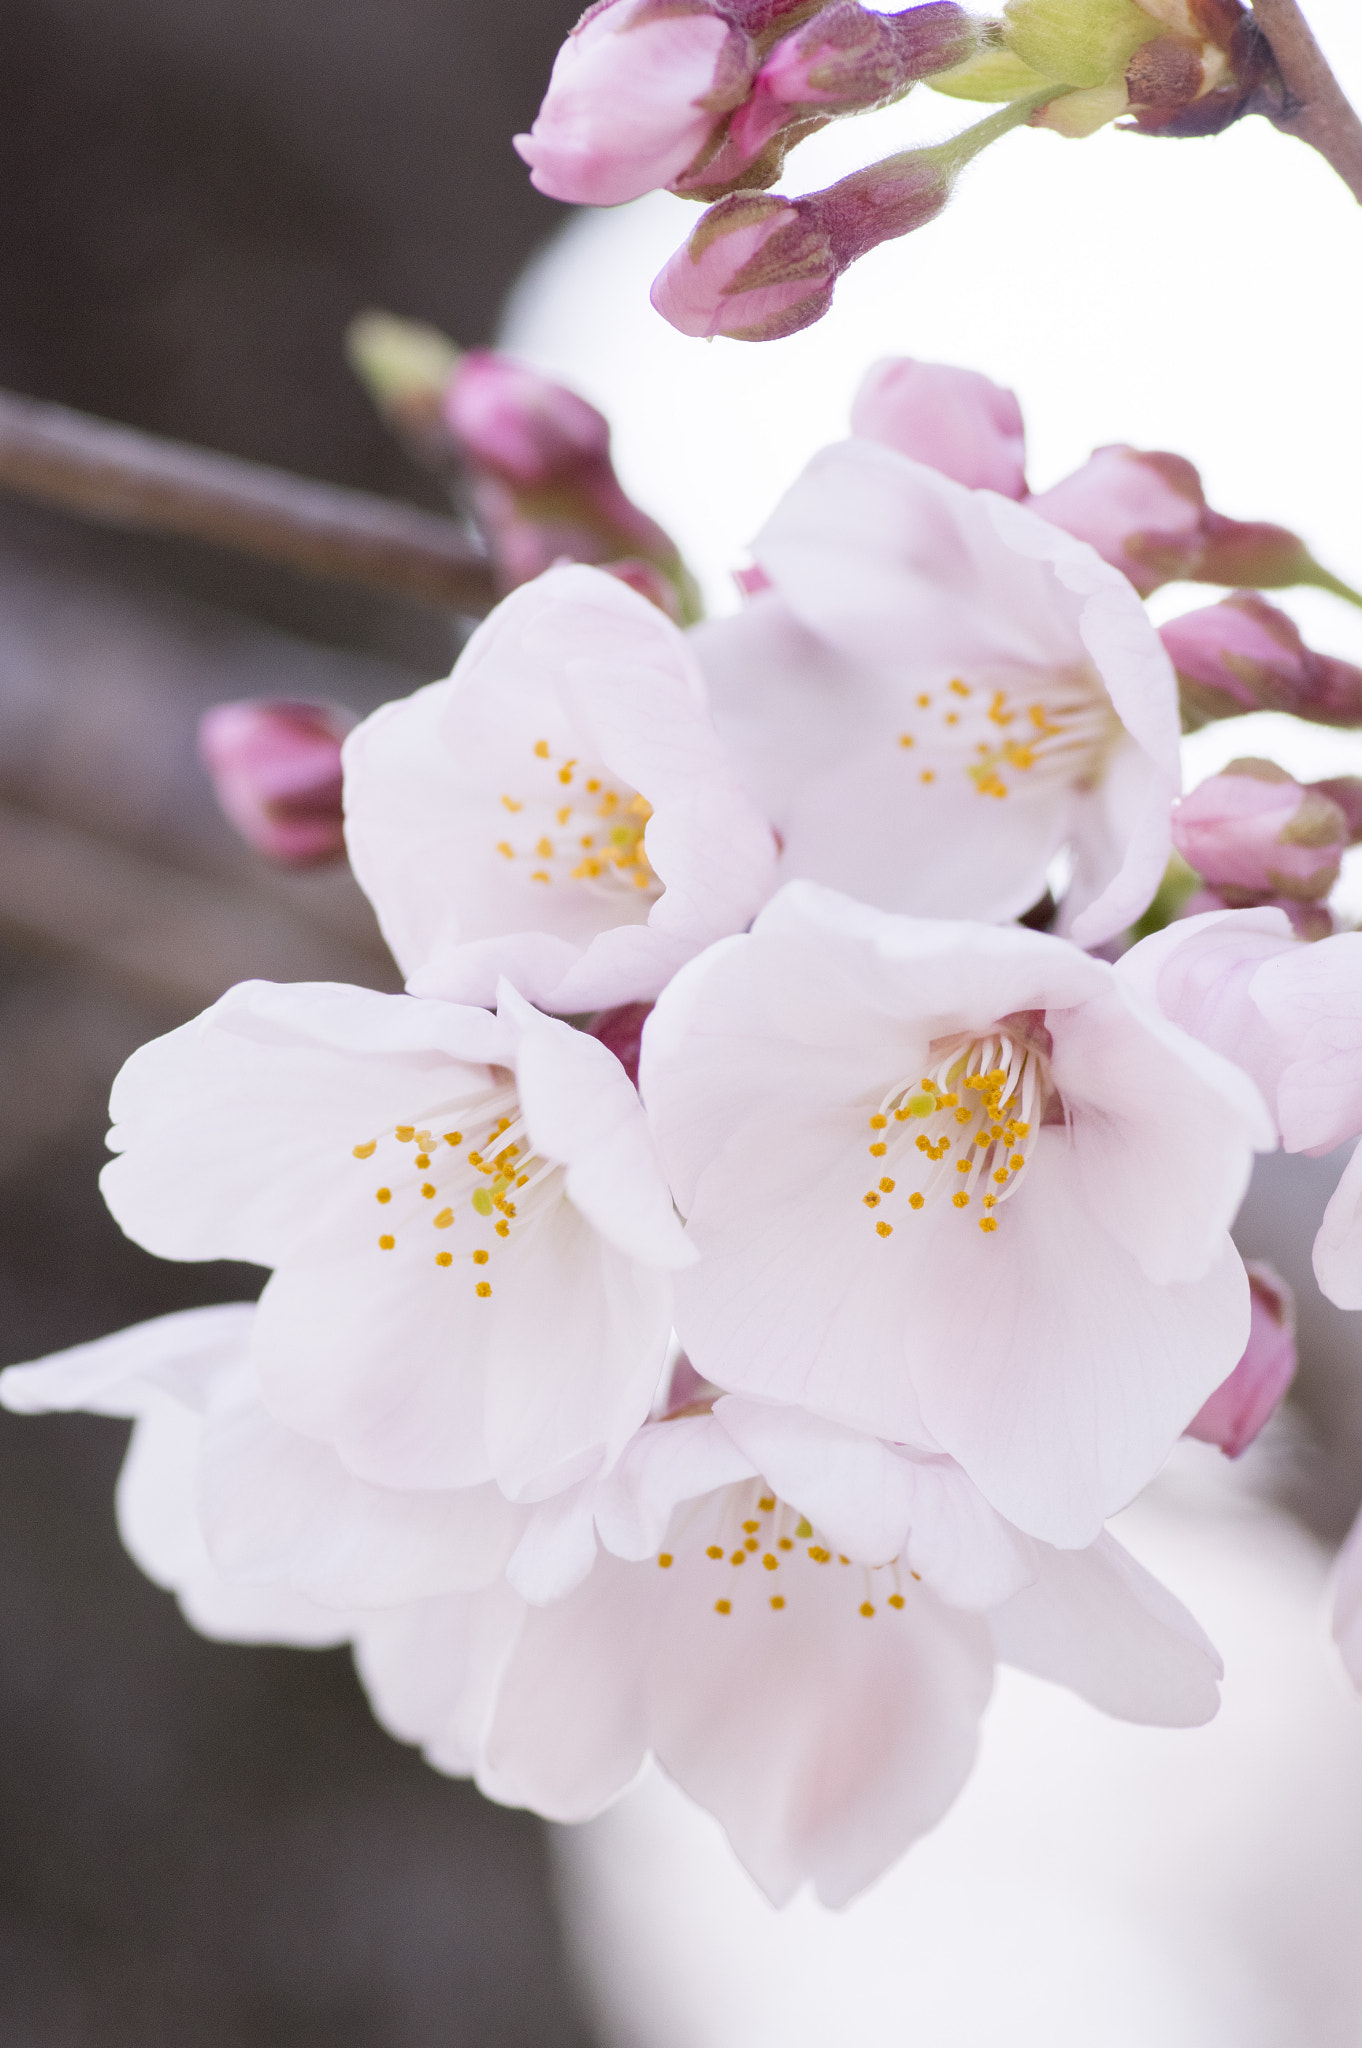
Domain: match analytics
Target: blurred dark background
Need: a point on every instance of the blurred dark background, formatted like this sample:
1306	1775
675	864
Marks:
199	1843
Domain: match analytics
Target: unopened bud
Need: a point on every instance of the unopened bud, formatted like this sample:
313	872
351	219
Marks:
844	60
1245	655
276	772
405	367
759	266
1253	832
637	92
952	420
1084	43
755	268
1243	1404
1346	792
521	426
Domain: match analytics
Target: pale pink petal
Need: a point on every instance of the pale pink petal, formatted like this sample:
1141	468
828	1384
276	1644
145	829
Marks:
1338	1246
182	1355
1096	1621
953	420
1311	997
1348	1604
662	1466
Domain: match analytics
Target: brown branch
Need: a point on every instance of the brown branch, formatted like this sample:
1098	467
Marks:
1316	109
122	477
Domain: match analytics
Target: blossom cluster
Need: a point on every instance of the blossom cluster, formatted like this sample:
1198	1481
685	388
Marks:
715	1311
705	98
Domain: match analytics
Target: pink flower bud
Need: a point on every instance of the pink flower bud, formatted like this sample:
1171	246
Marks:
952	420
276	772
509	419
755	268
1144	513
650	582
1252	831
1241	1406
543	485
1245	655
637	91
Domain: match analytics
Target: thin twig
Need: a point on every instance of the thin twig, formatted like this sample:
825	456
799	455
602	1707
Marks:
123	477
1316	109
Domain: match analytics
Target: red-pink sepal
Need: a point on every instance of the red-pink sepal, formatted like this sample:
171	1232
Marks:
1243	1404
276	772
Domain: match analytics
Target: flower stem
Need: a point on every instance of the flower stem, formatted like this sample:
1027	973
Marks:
1315	109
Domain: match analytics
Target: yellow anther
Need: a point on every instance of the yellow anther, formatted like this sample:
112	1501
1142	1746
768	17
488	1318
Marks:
964	1165
1017	1161
545	849
771	1563
878	1123
453	1137
927	775
751	1543
872	1200
951	718
767	1503
751	1527
947	1101
924	699
988	1223
785	1544
383	1194
963	1116
878	1151
444	1258
366	1151
539	876
885	1229
609	802
714	1551
483	1289
1001	1177
958	688
723	1607
563	815
664	1558
917	1576
422	1159
915	1201
866	1609
990	1201
541	748
481	1258
905	739
960	1201
505	846
511	804
565	772
738	1557
887	1186
818	1554
385	1244
502	1229
777	1601
593	785
428	1191
405	1133
896	1599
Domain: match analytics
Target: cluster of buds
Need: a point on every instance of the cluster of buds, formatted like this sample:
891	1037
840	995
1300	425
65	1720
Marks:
706	97
531	457
1256	836
760	266
1178	67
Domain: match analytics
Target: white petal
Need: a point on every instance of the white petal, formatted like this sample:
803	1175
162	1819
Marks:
1348	1604
1338	1246
278	1508
432	1668
233	1130
1097	1622
1311	996
583	1111
665	1464
558	1547
182	1355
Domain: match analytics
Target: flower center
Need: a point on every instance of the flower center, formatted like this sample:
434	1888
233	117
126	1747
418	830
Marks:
746	1525
961	1132
573	823
999	738
470	1185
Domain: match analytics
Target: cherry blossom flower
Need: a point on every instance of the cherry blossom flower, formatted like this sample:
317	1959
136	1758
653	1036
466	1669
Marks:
806	1680
470	1236
939	693
954	1184
559	810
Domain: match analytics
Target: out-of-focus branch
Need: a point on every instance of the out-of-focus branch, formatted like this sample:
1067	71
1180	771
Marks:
1316	109
123	477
